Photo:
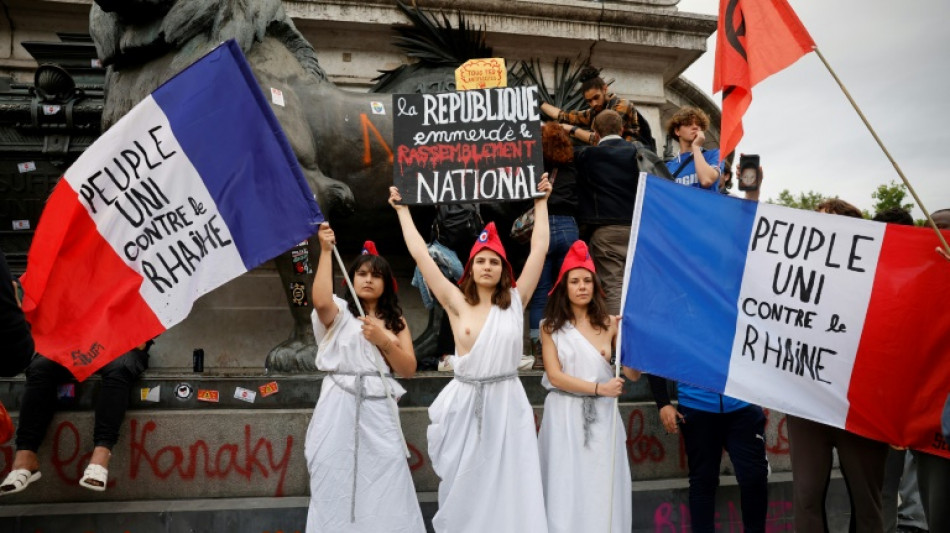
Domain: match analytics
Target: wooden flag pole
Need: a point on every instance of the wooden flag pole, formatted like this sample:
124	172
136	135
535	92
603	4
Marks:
900	173
379	366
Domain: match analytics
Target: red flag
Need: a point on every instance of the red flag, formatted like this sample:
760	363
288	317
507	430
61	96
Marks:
755	39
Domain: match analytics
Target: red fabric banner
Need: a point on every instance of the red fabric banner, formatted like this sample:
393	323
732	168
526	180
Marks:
755	39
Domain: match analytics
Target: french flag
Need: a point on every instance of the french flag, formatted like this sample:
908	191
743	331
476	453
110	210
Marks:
834	319
196	185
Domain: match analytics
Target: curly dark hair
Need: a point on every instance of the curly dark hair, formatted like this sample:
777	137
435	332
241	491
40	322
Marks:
558	310
686	116
556	145
500	297
387	307
590	79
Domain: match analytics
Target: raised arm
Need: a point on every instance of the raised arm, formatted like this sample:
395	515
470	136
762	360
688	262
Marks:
706	173
322	291
540	236
441	287
576	124
550	110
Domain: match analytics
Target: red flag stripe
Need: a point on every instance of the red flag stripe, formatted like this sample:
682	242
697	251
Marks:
64	239
897	394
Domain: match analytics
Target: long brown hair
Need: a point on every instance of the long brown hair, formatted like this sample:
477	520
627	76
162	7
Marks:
387	307
558	310
501	295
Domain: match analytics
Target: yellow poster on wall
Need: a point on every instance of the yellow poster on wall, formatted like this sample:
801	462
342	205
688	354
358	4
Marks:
483	73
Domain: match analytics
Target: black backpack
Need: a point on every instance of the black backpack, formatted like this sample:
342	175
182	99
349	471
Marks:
456	226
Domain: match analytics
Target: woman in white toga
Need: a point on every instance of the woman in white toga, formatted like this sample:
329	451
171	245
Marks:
577	336
359	476
482	440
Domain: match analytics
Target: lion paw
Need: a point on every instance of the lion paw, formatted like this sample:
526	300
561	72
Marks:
293	356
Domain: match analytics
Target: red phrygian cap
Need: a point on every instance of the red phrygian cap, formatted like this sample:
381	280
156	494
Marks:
488	238
577	257
369	248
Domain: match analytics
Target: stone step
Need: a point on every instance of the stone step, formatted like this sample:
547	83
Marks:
658	507
241	452
294	390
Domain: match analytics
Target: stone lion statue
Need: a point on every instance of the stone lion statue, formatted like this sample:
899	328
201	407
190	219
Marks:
143	43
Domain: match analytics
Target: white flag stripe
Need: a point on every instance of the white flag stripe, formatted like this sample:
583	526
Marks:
802	306
149	203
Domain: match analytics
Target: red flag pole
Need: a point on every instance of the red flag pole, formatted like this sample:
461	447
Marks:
900	173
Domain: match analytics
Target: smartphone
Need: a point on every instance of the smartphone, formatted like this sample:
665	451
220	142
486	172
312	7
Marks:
749	175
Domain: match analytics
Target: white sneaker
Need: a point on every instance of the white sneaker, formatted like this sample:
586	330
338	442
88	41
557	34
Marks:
445	365
527	361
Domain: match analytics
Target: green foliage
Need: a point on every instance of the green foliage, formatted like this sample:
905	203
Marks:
804	200
889	196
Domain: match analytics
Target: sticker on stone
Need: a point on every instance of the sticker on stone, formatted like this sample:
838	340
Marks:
301	260
207	395
298	294
277	96
184	391
151	394
245	395
268	389
377	107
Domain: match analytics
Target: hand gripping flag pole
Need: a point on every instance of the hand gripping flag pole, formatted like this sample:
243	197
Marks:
379	366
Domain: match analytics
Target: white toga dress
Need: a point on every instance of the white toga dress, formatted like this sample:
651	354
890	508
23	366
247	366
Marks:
482	439
574	444
369	463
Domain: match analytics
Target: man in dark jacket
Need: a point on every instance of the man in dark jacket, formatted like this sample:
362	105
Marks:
607	190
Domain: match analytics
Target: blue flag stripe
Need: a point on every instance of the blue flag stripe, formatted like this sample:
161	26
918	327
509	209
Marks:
685	275
226	127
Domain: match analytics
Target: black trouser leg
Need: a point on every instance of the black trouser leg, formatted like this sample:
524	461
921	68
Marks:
39	401
113	400
745	442
702	436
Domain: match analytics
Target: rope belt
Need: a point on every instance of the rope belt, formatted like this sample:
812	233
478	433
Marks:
479	384
588	411
360	393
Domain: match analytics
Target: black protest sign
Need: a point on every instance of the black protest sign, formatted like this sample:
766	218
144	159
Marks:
482	145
